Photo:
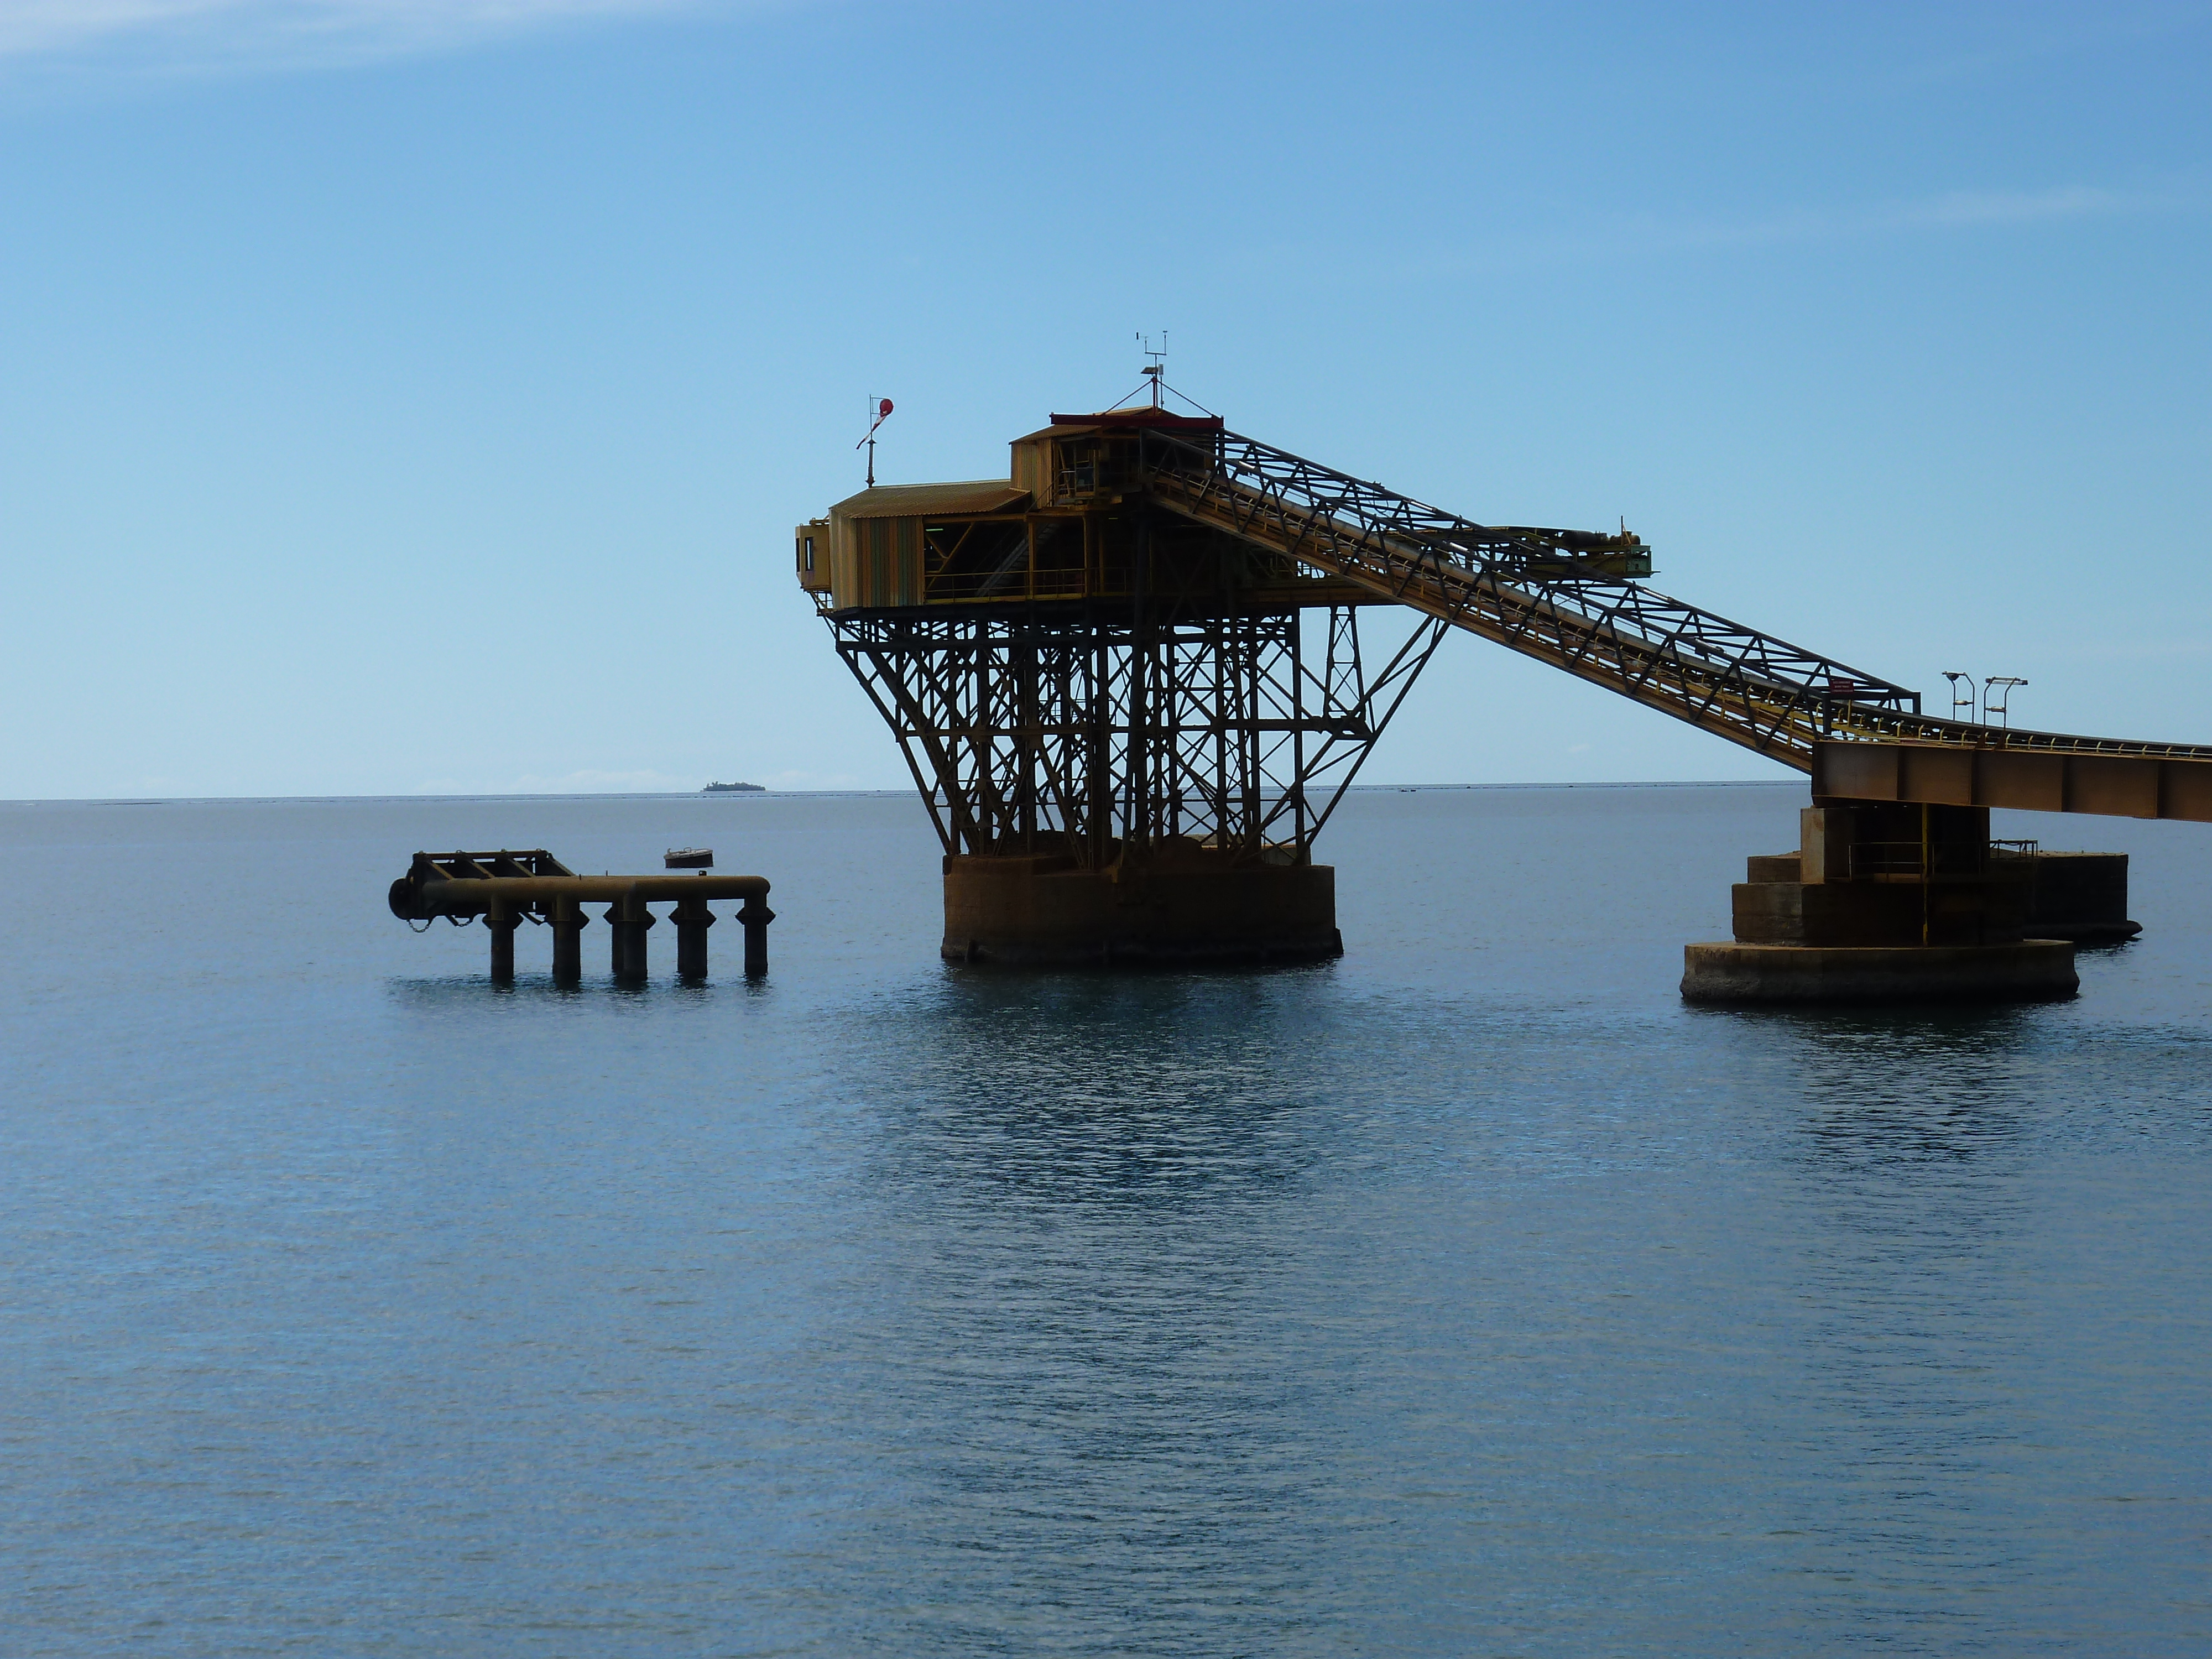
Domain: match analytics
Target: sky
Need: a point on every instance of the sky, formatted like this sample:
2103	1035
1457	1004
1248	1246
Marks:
416	396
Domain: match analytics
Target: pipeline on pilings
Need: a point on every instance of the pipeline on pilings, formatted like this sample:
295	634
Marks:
507	888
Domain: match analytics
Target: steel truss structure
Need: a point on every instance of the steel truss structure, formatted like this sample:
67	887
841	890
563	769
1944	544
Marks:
1779	699
1741	684
1085	722
1102	734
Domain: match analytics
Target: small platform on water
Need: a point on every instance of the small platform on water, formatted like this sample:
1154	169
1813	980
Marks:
508	887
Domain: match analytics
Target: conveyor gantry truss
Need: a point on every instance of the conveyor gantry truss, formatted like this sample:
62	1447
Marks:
1856	734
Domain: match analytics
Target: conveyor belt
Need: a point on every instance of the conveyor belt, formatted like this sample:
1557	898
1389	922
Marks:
1780	700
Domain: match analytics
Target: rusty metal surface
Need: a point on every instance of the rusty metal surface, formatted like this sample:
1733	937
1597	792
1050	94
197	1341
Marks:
1108	739
1778	699
2080	774
506	888
900	500
462	884
1725	677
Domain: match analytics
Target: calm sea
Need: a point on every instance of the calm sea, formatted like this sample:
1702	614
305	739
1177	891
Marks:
1467	1296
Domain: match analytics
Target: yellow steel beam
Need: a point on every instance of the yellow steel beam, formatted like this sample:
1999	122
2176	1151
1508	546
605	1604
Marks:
1856	750
2128	785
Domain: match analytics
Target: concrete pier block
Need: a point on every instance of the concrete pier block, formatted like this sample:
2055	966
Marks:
1877	913
1044	912
2081	896
2027	971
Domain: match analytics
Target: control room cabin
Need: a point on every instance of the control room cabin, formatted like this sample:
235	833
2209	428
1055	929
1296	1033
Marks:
1068	524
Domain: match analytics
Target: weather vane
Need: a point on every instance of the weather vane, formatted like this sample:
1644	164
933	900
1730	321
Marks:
879	408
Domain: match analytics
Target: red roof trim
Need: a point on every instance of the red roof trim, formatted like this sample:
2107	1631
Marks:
1159	417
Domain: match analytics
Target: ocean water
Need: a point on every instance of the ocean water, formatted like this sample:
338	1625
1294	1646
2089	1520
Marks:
1467	1296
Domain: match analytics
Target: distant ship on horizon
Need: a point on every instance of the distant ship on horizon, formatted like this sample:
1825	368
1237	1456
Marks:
735	789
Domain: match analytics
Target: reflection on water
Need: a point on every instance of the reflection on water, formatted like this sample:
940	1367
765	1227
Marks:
1915	1134
1466	1295
1090	1183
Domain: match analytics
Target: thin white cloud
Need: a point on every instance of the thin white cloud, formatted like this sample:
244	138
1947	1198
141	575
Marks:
198	33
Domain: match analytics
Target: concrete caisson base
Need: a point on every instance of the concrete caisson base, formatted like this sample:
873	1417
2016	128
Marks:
2080	897
1044	912
2029	970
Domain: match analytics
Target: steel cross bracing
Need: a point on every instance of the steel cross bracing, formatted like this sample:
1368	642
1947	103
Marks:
1750	687
1731	680
1093	737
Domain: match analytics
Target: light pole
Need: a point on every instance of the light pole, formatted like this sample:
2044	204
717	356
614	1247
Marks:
1973	699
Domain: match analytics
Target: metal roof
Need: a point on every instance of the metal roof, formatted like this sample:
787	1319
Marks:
908	500
1143	415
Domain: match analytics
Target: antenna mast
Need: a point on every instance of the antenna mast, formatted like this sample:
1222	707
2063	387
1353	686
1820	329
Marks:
1157	366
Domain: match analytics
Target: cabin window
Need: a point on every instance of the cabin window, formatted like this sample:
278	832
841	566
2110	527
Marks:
1079	469
810	552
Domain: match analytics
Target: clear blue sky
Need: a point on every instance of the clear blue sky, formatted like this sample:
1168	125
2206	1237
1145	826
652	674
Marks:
417	397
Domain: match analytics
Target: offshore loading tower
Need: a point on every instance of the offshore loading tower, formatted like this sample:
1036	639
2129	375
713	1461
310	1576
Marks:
1102	674
1126	729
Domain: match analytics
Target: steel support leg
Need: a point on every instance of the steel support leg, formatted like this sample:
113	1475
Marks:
692	918
635	919
501	920
631	919
568	923
755	916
